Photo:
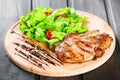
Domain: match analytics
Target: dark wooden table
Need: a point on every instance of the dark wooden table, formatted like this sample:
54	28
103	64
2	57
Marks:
11	10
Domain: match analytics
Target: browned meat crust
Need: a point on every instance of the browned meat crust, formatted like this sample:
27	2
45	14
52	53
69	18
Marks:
83	47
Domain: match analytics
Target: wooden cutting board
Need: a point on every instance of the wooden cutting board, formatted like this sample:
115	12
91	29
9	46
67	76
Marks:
94	23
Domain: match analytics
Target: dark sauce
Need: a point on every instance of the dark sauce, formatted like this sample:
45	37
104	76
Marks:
29	58
12	32
42	50
49	61
34	53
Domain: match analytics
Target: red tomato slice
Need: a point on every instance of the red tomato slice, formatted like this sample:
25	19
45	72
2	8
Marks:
49	34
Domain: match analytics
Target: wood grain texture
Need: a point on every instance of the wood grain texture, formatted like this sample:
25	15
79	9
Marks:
60	78
49	3
110	70
113	11
92	6
10	10
43	3
58	4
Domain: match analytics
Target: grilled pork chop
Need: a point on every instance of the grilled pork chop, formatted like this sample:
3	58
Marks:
83	47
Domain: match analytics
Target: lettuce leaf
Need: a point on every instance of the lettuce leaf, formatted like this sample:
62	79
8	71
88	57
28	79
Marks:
52	42
36	23
58	35
23	27
40	35
31	33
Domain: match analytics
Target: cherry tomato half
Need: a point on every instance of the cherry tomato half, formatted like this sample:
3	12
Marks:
49	34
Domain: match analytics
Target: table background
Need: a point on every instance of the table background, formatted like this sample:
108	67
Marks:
108	10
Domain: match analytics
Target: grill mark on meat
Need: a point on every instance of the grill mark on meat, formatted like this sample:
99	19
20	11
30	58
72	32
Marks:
87	44
85	48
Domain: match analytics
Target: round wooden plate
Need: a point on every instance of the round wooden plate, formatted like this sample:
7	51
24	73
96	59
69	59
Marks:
94	23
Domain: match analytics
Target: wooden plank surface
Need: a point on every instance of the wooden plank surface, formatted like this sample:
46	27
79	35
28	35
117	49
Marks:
43	3
92	6
113	11
10	10
110	70
58	4
49	3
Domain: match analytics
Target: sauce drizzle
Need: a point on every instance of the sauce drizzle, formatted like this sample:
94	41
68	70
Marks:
29	58
37	55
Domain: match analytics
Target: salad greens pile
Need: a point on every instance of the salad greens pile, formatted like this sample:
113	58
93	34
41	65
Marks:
50	26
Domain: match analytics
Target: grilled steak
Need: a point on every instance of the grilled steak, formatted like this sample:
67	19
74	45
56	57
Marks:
83	47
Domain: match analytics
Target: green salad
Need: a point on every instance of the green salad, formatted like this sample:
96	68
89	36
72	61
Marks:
50	26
